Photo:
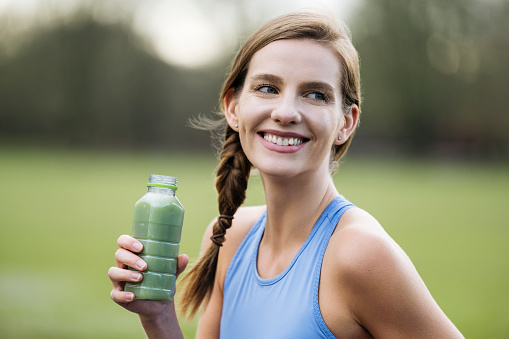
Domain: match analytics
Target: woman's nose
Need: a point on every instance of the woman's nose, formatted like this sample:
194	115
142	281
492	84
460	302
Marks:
286	110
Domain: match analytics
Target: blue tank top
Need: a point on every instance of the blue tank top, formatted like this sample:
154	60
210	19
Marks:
285	306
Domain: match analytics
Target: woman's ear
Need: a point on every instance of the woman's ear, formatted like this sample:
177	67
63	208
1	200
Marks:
230	103
351	120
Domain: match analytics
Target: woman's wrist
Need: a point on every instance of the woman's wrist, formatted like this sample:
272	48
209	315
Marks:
164	325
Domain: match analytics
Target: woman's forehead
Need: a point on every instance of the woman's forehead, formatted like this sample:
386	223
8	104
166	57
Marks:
297	58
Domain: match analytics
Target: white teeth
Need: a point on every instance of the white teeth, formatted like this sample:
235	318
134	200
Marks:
282	141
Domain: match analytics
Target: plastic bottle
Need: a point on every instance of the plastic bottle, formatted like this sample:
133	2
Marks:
157	224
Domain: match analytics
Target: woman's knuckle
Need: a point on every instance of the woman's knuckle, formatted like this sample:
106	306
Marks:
118	253
123	240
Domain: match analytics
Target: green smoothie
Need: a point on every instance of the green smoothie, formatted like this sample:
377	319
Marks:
157	224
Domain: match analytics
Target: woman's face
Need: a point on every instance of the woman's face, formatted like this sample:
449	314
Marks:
289	112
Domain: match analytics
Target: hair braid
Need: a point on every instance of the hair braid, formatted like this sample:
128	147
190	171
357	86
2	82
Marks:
231	184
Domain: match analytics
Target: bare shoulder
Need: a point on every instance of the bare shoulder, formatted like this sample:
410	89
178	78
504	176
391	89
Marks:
378	283
243	220
361	246
366	260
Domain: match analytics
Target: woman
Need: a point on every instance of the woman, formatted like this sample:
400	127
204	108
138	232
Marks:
309	264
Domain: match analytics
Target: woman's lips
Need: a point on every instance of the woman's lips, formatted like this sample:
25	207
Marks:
282	142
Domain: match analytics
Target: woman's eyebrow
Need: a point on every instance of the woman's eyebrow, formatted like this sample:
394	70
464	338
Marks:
319	85
270	78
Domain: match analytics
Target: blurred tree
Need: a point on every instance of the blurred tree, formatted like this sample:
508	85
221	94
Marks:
87	83
433	74
434	79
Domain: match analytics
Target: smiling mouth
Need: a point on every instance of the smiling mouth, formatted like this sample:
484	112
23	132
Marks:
283	141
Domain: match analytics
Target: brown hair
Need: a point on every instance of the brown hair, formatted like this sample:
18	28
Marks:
234	167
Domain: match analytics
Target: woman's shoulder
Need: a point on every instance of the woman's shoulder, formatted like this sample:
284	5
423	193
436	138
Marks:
243	220
374	274
248	215
368	273
361	247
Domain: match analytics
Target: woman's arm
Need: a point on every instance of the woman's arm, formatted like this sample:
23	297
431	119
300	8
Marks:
210	319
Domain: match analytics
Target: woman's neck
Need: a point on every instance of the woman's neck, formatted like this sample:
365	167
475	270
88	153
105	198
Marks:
293	207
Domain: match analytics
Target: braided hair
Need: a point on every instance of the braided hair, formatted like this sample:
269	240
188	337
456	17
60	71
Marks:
231	184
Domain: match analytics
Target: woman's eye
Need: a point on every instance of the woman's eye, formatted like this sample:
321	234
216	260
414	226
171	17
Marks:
267	89
319	96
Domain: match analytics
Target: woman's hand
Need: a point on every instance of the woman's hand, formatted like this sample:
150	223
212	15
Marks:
119	275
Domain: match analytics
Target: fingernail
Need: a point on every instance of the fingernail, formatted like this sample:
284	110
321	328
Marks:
137	246
129	297
136	276
140	264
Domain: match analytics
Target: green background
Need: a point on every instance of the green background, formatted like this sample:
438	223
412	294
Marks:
63	210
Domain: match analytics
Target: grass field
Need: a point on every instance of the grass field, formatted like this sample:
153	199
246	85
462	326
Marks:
61	212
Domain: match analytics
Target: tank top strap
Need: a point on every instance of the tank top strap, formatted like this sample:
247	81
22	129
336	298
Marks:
326	224
337	208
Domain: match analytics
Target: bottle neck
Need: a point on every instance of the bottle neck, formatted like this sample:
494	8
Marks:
161	190
162	184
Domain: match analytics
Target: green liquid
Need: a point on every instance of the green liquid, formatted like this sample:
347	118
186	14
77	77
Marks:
157	224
